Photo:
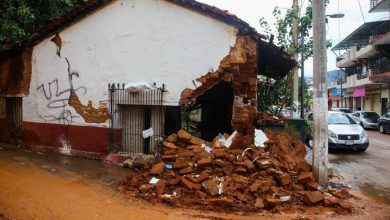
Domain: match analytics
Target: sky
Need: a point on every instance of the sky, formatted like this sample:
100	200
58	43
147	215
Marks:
337	29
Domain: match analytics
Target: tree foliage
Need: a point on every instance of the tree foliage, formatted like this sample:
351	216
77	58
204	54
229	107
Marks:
283	28
19	18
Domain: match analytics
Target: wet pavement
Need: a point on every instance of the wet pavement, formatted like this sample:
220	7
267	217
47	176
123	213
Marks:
103	173
367	172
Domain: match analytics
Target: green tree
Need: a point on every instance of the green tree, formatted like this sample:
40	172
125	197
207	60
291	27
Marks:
283	28
19	18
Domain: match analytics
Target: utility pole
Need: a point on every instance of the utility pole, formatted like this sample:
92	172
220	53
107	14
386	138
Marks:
320	137
302	78
295	70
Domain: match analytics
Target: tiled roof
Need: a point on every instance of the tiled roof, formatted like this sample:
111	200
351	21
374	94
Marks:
92	5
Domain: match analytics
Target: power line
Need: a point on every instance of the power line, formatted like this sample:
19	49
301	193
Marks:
361	11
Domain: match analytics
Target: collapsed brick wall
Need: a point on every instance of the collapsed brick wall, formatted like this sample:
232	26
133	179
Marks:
240	69
15	73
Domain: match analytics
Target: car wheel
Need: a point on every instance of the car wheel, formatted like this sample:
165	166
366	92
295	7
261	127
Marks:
382	129
361	149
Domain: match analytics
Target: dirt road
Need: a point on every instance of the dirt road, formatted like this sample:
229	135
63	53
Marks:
51	186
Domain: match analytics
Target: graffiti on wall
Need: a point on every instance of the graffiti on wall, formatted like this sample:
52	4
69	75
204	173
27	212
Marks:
61	101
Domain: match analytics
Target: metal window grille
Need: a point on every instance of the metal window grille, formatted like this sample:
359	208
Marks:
130	115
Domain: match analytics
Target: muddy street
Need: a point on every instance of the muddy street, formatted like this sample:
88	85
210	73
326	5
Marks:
367	172
51	186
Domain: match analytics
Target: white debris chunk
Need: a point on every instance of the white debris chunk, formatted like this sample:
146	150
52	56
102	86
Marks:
207	148
169	196
285	198
265	162
260	138
154	180
148	133
229	141
135	87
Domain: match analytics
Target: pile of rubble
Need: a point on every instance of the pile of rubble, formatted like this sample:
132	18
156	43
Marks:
231	174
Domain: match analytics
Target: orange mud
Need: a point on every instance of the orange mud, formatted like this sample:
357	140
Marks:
29	192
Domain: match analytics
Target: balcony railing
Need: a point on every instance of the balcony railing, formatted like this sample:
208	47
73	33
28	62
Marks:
382	29
378	66
373	3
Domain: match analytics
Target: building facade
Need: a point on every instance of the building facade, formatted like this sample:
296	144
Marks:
66	87
366	63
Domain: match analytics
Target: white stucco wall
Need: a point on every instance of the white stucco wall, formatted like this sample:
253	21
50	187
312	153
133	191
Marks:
128	40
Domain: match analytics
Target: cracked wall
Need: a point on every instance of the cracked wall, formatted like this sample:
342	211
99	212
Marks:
88	112
239	68
15	73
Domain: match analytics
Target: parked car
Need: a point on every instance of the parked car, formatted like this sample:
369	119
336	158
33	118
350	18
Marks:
343	133
366	119
384	123
345	110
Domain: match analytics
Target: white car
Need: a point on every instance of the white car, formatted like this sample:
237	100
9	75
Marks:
366	119
344	133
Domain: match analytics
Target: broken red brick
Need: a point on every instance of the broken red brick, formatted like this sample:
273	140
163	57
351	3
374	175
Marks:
172	138
241	197
220	163
185	154
158	168
313	186
284	179
240	181
196	141
304	166
180	164
211	187
345	205
192	147
169	145
236	151
168	157
255	186
169	151
305	177
200	194
313	197
219	153
184	135
174	181
271	202
240	170
222	202
249	165
204	163
145	188
330	201
186	170
188	184
198	150
160	187
204	175
259	203
230	157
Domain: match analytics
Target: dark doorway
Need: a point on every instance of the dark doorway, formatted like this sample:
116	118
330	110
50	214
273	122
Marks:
384	109
217	108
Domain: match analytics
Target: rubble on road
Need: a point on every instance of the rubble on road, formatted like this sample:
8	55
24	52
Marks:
208	175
